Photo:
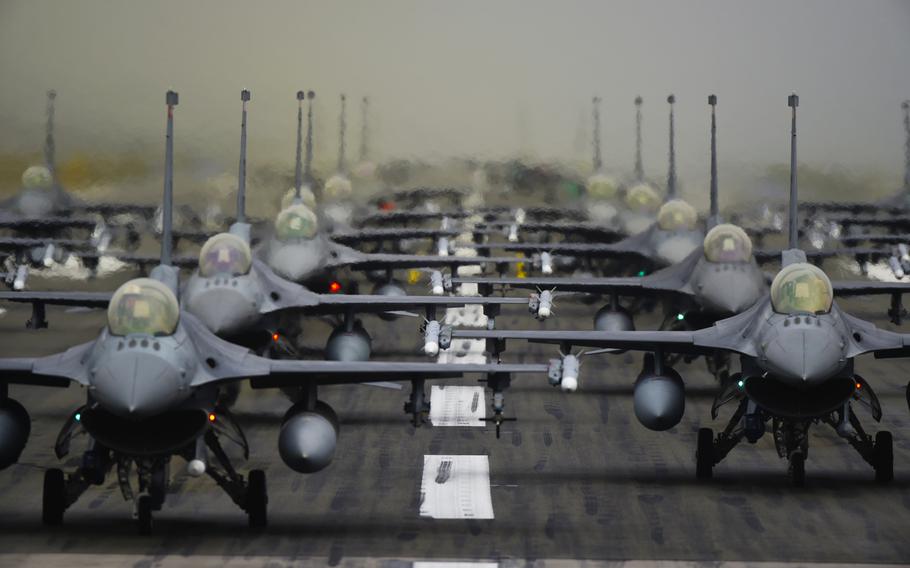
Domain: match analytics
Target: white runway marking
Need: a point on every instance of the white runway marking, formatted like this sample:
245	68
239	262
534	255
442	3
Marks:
456	487
456	565
457	406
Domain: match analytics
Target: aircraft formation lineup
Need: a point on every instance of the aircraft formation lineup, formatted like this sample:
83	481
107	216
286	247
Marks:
162	375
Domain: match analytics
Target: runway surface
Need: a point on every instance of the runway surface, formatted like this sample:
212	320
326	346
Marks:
576	477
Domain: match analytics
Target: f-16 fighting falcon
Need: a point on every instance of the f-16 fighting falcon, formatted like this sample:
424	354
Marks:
239	297
796	348
152	380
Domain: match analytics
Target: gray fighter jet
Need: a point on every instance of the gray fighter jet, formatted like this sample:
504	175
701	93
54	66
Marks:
239	297
153	377
797	351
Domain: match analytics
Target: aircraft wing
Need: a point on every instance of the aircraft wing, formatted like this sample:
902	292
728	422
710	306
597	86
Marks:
57	370
330	303
341	255
614	250
82	299
590	230
43	223
389	234
108	209
560	284
228	362
732	334
868	287
771	255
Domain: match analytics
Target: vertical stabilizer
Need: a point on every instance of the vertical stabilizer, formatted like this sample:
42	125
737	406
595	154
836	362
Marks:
639	167
671	173
598	160
713	219
241	173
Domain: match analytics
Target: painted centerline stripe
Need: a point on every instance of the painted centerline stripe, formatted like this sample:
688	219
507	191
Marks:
456	487
457	406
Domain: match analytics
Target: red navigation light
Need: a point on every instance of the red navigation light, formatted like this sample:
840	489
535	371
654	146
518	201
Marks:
275	337
335	287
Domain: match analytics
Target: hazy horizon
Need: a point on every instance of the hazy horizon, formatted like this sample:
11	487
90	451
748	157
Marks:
486	80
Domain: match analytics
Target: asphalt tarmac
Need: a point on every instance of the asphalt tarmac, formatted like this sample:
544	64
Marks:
576	477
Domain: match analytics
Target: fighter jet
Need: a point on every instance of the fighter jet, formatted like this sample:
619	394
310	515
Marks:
153	377
796	347
239	297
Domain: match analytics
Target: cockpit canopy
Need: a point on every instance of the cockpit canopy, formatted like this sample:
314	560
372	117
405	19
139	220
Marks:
338	187
143	306
801	288
296	222
306	196
642	197
37	177
225	253
677	215
728	243
601	186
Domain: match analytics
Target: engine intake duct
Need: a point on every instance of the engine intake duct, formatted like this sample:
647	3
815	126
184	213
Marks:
786	401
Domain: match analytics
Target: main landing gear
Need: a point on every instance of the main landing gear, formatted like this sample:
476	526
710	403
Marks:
153	475
791	436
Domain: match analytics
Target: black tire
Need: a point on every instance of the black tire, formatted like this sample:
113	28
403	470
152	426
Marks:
144	514
798	469
883	457
257	499
704	454
54	497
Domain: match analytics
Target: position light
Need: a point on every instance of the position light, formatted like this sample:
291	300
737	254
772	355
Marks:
335	287
275	337
859	386
387	205
641	272
78	416
741	384
680	317
211	417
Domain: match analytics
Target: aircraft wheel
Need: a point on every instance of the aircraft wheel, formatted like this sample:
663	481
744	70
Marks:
144	514
257	499
798	469
704	454
883	457
54	497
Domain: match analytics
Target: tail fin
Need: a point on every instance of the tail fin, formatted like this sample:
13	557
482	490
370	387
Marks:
713	219
597	160
308	164
639	167
793	102
241	174
298	171
167	205
363	129
342	127
671	174
50	148
906	106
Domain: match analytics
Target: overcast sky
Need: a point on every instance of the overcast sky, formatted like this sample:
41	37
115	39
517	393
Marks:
480	78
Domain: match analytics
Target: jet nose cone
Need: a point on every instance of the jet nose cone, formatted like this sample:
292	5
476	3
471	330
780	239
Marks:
224	311
805	353
136	384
